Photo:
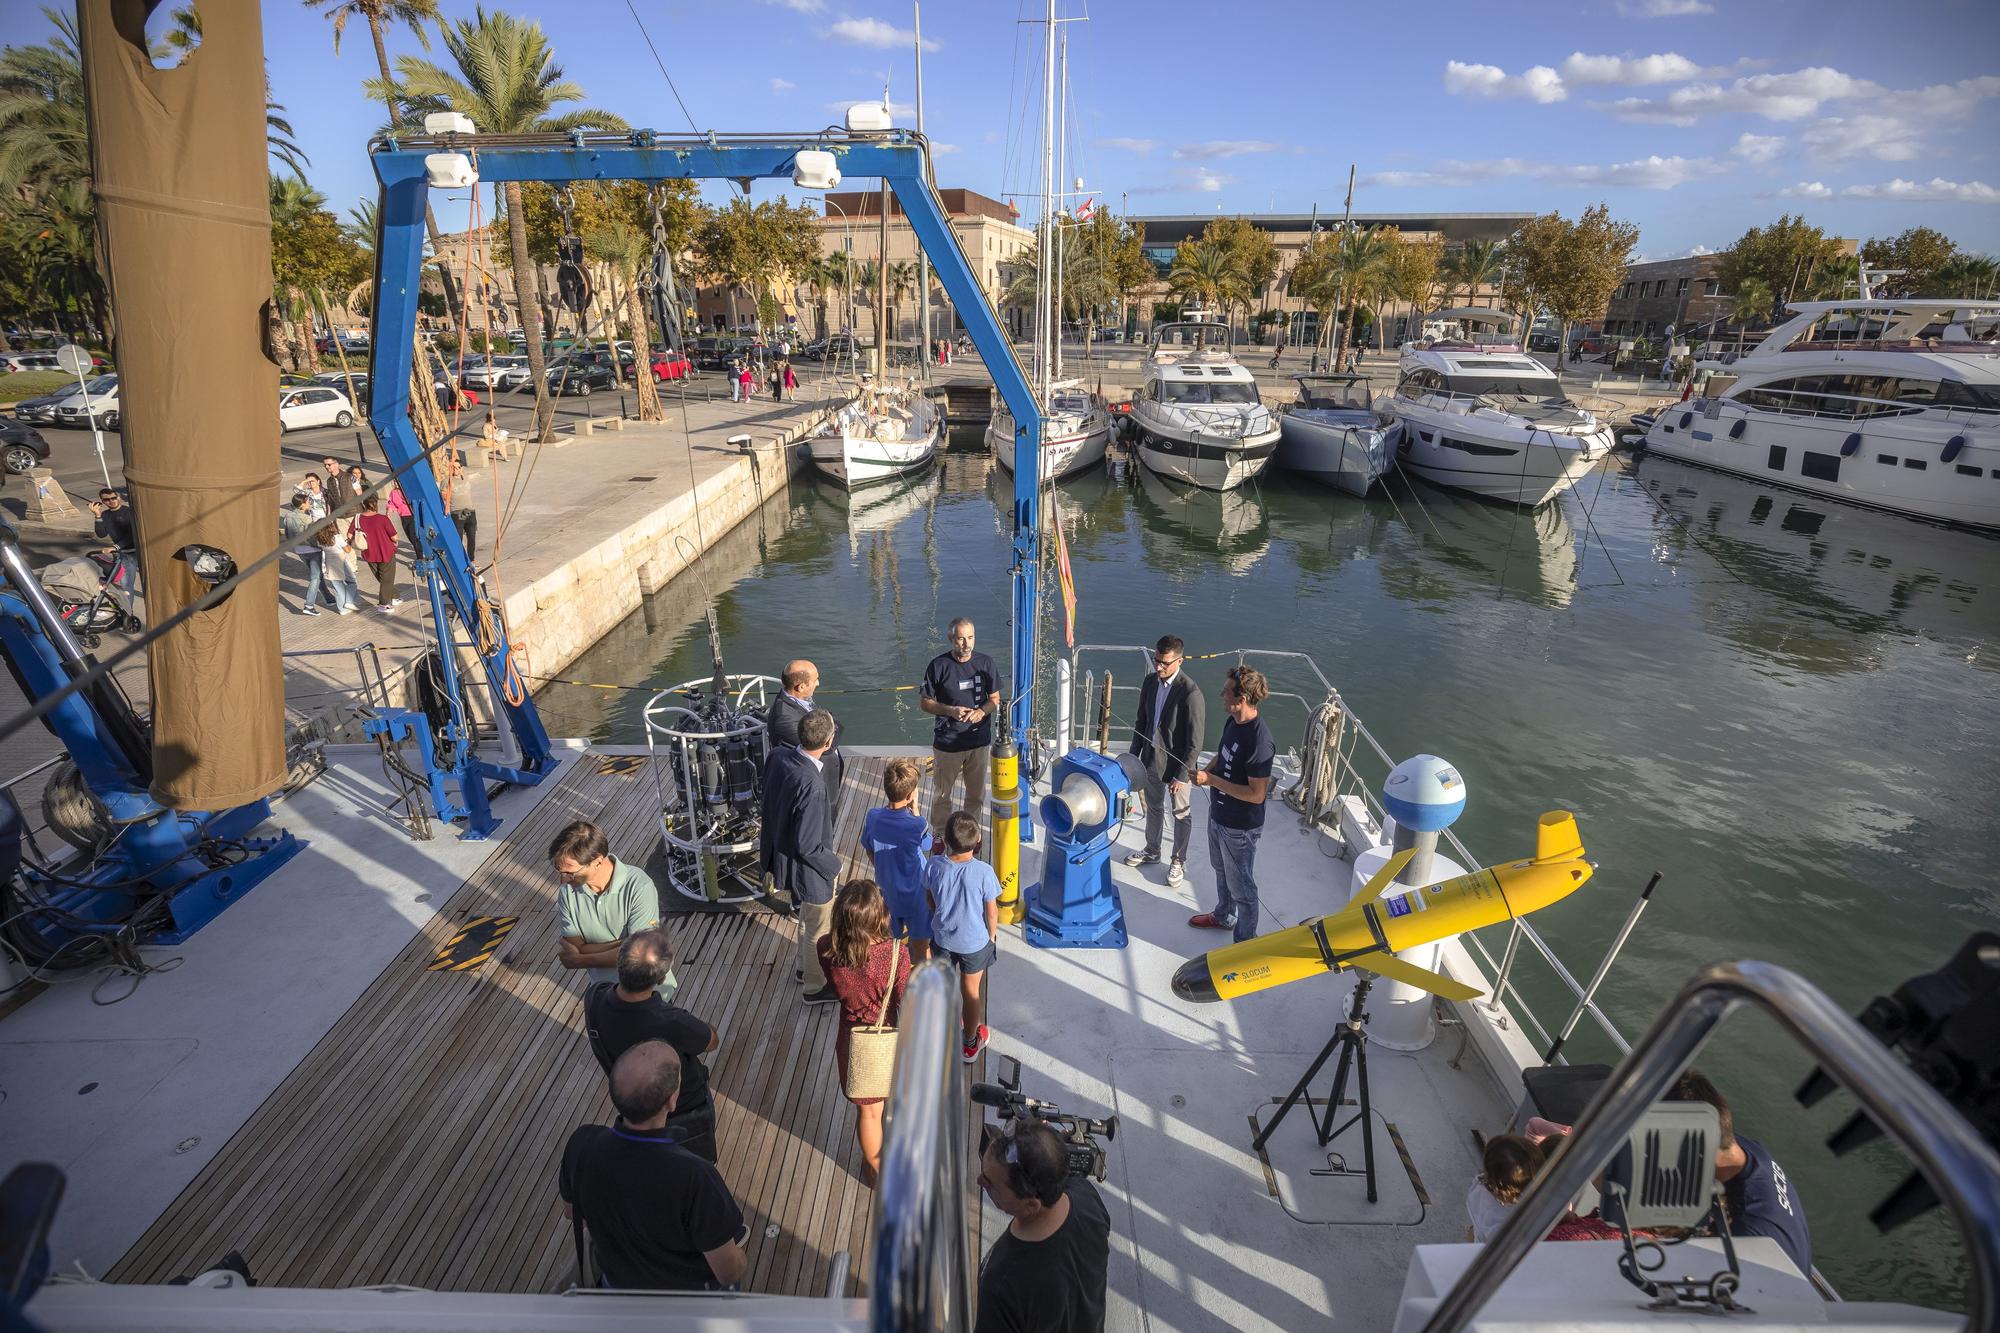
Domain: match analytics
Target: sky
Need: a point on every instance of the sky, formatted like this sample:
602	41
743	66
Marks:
1693	118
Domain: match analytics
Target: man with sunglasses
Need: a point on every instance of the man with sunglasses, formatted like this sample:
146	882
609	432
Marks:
1046	1273
1166	738
1238	781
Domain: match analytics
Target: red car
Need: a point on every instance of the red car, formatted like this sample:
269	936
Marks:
667	366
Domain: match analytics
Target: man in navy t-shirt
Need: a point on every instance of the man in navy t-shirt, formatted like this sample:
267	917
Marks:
1238	781
1760	1196
961	690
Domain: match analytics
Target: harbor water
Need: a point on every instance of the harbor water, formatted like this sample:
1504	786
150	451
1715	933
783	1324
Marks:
1785	706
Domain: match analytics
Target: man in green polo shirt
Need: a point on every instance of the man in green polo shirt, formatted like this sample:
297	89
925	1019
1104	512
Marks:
602	901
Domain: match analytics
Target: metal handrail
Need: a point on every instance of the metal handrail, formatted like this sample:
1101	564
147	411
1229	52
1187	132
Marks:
1954	1159
922	1267
381	685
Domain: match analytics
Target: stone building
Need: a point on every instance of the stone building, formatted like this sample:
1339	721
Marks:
1667	292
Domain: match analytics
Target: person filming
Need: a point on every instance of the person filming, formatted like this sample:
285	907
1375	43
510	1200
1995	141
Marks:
1046	1273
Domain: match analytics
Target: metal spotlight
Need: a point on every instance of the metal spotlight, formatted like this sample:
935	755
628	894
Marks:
211	564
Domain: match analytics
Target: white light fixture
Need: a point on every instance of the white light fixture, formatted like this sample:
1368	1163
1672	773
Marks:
814	169
868	118
449	122
449	171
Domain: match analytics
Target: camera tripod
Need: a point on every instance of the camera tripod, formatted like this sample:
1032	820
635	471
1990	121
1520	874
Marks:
1350	1038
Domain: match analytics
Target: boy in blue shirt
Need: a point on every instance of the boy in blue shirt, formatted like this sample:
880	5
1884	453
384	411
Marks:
896	836
965	921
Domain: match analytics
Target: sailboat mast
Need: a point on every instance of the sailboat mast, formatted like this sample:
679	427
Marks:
1044	259
923	256
882	276
1062	180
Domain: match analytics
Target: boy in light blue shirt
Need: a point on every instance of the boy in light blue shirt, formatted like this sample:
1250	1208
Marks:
896	836
965	921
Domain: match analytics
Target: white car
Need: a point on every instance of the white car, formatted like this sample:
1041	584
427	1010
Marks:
515	377
491	372
12	361
103	398
314	405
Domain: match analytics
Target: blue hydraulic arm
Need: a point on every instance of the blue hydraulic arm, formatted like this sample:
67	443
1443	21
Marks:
896	156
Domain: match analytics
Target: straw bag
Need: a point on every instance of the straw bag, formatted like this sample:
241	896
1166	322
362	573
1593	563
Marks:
871	1050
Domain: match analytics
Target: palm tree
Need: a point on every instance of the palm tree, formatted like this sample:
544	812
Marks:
1966	274
44	136
825	274
1476	264
292	200
866	278
1754	300
51	239
414	15
507	81
1359	261
627	251
902	281
1205	272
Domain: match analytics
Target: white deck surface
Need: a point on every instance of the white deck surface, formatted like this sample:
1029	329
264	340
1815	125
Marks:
1198	1241
180	1065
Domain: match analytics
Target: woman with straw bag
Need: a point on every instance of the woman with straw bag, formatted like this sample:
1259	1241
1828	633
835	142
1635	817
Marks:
867	970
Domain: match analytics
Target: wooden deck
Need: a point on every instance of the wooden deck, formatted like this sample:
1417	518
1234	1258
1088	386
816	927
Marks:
418	1142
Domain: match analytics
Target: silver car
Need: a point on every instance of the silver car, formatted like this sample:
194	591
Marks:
102	396
490	372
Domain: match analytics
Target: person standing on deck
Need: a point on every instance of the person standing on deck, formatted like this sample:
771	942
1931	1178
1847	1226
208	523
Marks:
1166	737
796	843
618	1015
961	690
658	1218
1046	1273
1238	781
602	901
782	718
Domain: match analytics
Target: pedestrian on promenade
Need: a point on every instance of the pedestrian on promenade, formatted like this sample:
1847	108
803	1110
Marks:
867	968
115	520
373	538
1167	733
406	518
747	378
1238	781
309	486
961	689
338	558
335	482
494	439
776	380
734	373
795	843
293	524
601	903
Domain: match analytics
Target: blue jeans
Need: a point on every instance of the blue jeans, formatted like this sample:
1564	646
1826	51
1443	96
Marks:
316	582
1232	853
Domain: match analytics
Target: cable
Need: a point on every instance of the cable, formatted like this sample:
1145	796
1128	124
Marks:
663	66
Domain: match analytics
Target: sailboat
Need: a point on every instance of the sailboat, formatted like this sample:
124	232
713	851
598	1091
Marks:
1076	423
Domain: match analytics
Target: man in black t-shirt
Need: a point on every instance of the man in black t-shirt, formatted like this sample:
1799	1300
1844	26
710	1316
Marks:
961	690
1760	1196
658	1217
1046	1273
618	1015
1238	781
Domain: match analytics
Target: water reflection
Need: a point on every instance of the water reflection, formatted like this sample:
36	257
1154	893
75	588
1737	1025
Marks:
1185	527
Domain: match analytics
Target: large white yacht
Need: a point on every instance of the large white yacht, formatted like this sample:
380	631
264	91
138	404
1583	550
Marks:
1889	403
1197	416
1481	415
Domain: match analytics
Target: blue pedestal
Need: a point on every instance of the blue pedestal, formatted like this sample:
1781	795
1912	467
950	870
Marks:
1076	905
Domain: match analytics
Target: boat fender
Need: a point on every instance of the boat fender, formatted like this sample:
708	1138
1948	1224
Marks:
1686	417
1951	448
1736	431
1851	445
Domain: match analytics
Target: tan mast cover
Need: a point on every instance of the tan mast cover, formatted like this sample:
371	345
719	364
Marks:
183	205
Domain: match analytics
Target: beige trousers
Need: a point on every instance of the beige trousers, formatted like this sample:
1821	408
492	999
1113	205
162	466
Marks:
974	765
815	920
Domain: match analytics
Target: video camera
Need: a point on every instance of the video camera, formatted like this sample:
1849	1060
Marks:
1086	1154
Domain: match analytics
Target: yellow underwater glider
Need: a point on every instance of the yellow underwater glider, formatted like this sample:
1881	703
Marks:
1371	929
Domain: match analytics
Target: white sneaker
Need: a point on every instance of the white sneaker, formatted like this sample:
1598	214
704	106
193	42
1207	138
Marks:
345	611
1176	872
395	602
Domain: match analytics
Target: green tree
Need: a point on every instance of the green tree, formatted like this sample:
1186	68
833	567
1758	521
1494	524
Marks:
1473	265
1573	267
312	256
1967	275
44	136
1783	255
627	251
1754	300
754	246
505	78
1253	255
1920	252
1206	273
1409	273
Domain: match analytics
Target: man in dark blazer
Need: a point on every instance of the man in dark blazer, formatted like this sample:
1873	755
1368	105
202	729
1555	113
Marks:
796	842
781	720
1166	737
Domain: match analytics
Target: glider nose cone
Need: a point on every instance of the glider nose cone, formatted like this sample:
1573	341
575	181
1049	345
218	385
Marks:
1192	981
1536	886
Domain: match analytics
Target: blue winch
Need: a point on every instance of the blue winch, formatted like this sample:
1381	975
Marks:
1076	905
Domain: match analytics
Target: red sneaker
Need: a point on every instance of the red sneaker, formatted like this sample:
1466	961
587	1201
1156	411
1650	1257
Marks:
969	1052
1209	921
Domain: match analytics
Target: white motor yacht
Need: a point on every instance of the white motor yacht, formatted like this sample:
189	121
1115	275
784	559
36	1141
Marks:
1197	416
1481	415
886	432
1894	404
1334	435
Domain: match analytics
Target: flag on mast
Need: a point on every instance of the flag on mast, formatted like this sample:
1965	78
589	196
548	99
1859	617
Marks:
1063	576
1084	213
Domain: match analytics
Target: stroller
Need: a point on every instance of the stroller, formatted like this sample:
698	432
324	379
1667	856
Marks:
97	593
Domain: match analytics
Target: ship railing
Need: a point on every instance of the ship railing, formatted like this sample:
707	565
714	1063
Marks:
1954	1159
1082	707
1857	407
923	1260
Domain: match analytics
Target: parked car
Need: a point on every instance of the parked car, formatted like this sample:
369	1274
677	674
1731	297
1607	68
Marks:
668	366
579	375
320	405
21	447
335	379
42	410
835	347
96	405
485	372
13	361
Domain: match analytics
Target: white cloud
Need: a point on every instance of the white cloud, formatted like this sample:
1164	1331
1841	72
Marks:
940	149
799	6
874	32
1214	148
1668	67
779	85
1646	173
1540	83
1663	9
1199	180
1127	145
1936	190
1887	138
1806	190
1758	147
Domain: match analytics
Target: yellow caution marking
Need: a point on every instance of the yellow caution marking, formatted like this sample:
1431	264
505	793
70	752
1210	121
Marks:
473	944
